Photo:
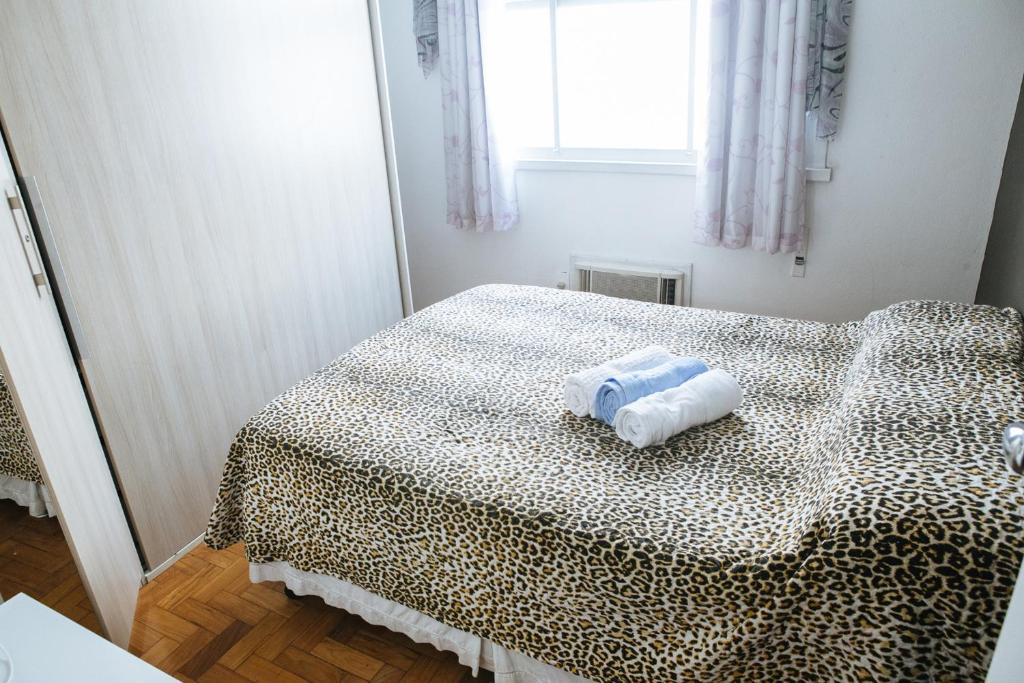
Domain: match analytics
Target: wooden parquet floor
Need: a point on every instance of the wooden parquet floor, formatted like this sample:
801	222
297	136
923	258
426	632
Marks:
203	620
35	560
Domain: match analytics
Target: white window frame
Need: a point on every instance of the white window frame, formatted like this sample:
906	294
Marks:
654	161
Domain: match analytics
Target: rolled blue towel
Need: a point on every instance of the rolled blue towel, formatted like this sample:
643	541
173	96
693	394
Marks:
623	389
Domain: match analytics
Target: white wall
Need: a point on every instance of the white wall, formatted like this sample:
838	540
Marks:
931	94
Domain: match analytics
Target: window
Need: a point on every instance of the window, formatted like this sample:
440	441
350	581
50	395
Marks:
606	84
608	80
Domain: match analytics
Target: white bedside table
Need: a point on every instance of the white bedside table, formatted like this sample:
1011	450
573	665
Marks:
47	647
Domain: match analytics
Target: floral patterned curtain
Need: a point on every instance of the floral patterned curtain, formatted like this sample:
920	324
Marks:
480	178
750	168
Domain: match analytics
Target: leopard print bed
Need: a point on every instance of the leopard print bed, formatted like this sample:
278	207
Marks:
853	520
16	457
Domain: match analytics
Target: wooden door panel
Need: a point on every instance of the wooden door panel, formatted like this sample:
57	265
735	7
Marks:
40	371
215	176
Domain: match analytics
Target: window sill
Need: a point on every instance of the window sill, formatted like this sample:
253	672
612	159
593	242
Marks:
818	175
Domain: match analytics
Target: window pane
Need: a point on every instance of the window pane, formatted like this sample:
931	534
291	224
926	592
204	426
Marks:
529	72
701	73
622	73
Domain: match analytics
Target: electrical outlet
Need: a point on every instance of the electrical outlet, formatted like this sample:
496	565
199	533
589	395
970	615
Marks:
799	265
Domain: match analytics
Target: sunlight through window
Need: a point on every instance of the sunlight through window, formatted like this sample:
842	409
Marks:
614	75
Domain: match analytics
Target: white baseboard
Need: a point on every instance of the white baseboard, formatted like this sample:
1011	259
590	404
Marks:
163	566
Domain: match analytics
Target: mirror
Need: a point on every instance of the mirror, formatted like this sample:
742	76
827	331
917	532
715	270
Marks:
34	556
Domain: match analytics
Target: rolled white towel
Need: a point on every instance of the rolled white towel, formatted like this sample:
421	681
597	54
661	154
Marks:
581	387
653	419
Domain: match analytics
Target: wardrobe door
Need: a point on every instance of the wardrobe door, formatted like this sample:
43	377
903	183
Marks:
35	358
215	182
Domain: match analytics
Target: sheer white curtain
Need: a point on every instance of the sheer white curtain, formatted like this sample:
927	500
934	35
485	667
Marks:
750	168
478	168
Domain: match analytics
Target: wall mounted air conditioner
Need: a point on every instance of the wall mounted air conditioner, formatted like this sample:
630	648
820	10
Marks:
637	280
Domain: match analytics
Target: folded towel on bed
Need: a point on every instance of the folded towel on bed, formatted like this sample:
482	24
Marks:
581	387
624	388
653	419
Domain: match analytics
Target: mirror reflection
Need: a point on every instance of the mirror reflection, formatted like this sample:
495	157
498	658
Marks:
34	556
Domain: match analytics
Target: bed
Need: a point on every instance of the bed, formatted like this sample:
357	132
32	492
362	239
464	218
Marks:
20	479
851	521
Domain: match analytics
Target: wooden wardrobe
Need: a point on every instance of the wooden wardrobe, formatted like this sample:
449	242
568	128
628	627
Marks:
209	186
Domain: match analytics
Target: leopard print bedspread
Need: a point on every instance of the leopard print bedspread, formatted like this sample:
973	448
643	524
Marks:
16	457
853	520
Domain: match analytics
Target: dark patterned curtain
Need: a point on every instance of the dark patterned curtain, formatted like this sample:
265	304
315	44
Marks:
424	27
826	73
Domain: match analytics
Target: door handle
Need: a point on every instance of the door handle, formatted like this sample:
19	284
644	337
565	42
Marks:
37	213
28	243
1013	447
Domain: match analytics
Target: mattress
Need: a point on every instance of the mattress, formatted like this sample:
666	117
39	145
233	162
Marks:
20	479
851	521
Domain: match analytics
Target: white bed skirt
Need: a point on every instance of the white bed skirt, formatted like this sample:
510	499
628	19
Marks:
473	651
27	494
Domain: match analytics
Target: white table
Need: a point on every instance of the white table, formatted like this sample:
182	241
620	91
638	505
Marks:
47	647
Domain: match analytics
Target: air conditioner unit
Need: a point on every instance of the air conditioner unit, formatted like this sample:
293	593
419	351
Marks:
640	281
